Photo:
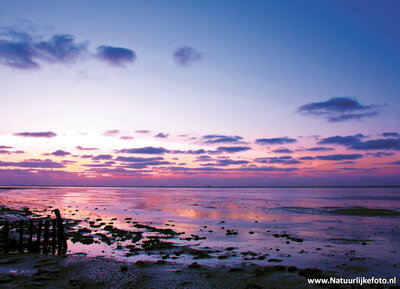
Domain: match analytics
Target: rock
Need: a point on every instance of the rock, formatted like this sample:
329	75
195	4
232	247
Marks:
292	269
124	268
161	262
235	269
194	265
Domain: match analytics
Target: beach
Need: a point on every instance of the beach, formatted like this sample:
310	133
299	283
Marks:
207	237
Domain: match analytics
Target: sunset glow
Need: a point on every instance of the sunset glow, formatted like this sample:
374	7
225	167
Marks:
199	94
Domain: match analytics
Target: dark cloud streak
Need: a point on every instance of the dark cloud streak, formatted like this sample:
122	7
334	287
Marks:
339	109
46	134
116	56
275	141
216	138
356	142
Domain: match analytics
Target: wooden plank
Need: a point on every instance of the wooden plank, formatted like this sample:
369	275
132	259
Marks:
21	237
46	236
6	231
53	236
62	241
30	235
39	233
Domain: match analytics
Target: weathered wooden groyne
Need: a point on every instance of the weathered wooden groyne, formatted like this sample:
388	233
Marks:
37	235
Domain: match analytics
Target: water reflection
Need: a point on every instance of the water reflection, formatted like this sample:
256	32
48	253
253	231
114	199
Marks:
256	214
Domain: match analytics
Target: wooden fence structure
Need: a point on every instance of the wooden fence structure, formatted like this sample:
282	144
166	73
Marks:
26	236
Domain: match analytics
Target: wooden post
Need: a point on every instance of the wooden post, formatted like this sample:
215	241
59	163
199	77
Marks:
21	237
39	233
30	235
46	236
6	231
53	236
62	241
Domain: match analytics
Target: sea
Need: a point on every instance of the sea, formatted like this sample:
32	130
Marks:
352	230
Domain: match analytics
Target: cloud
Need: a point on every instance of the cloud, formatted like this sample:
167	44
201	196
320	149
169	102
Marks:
307	158
391	134
116	56
161	135
21	50
380	154
26	53
192	152
195	152
117	172
339	109
395	163
33	163
6	152
340	157
267	169
143	165
60	153
286	160
145	150
46	134
87	149
231	170
68	162
86	156
319	149
342	140
102	157
228	162
138	159
358	169
103	165
356	143
283	161
202	169
335	157
377	144
203	159
275	141
17	55
144	131
216	138
113	132
60	48
126	137
230	149
185	56
283	151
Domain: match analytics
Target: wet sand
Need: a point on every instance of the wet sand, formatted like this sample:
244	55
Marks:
34	271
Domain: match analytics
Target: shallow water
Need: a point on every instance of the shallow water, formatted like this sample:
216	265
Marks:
358	241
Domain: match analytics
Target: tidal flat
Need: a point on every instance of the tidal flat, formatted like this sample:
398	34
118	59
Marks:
185	236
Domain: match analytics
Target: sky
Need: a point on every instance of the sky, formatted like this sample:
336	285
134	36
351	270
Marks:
199	93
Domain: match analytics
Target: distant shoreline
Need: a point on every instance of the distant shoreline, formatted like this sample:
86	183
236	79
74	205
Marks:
189	187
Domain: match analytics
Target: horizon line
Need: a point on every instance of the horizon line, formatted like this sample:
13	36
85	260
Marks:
206	186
